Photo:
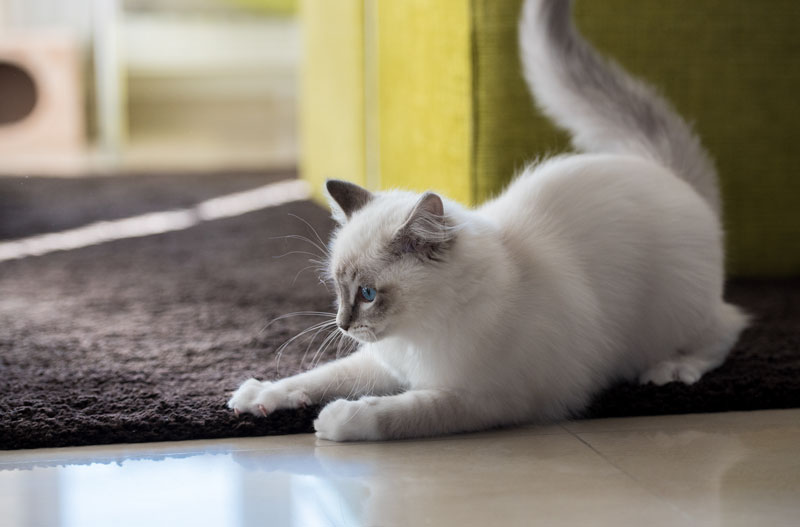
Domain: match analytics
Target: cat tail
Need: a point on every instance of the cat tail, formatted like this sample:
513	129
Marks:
601	105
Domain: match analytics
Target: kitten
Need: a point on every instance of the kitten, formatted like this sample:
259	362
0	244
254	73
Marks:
589	269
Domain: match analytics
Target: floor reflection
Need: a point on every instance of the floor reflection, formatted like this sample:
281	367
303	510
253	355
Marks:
232	489
302	490
716	470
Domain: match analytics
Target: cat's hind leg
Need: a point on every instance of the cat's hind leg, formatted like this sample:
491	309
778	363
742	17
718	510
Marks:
350	377
705	353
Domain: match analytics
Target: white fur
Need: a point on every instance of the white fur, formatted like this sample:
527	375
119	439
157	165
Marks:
588	269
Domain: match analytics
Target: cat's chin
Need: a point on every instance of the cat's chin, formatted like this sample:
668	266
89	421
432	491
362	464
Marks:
364	336
366	339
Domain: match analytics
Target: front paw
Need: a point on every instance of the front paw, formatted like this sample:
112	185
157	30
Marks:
344	420
263	398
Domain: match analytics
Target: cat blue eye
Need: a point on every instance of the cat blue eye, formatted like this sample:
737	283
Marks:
368	293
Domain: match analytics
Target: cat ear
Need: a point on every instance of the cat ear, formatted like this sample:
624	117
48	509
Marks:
345	198
425	232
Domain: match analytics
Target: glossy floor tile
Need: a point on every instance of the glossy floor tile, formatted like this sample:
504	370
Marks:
719	469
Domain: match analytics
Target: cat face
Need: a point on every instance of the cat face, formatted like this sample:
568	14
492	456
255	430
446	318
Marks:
366	299
384	258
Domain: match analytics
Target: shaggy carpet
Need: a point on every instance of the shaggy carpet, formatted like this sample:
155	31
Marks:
142	339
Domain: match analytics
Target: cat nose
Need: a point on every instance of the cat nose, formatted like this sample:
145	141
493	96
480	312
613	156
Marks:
344	318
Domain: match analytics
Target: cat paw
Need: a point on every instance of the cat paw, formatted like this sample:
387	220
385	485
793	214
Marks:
671	371
262	398
344	420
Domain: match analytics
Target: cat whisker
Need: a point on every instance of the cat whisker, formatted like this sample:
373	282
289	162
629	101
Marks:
321	266
349	346
322	347
331	334
300	272
339	346
318	326
313	230
323	273
340	339
298	314
309	329
301	238
325	283
284	255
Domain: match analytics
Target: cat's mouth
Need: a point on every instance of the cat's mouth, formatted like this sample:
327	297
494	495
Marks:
362	334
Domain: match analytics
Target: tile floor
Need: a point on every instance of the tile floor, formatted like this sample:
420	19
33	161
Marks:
706	470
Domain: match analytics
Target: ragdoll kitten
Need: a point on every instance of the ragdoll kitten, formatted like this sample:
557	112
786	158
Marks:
589	269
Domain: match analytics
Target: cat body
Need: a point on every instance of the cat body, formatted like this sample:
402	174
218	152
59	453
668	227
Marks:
588	269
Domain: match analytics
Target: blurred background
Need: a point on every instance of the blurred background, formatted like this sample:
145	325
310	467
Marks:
105	86
417	94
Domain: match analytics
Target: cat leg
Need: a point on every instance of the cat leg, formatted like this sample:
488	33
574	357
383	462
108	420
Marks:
415	413
353	376
705	353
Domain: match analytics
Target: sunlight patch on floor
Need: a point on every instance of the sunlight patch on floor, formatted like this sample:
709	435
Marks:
157	222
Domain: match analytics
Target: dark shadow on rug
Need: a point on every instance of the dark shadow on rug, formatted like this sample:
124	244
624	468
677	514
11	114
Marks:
142	339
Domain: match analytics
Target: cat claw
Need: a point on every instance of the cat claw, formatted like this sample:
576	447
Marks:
236	411
263	410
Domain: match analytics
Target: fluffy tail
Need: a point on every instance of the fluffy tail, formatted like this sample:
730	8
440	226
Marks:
604	108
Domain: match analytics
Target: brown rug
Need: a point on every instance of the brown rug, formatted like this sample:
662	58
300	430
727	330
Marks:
141	339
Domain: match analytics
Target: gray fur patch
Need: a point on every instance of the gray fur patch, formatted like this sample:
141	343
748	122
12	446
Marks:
604	108
426	233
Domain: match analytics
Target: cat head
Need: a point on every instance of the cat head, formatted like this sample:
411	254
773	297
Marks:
387	257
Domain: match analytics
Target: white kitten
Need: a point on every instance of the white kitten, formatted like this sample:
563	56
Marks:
588	269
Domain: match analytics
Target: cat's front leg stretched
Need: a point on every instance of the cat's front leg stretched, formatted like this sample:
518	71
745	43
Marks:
415	413
353	376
